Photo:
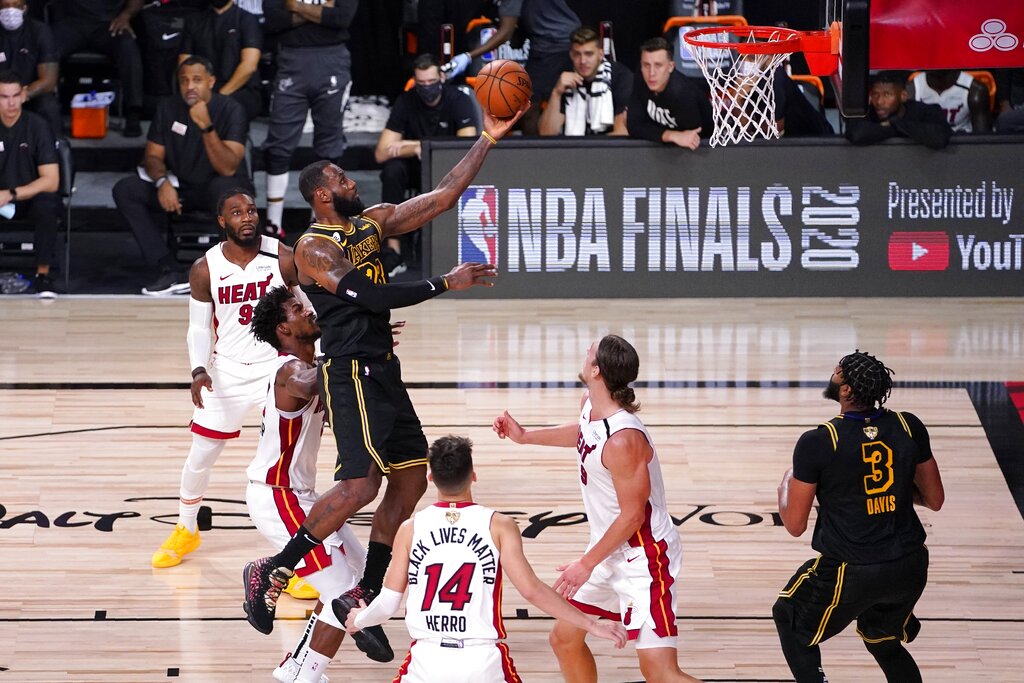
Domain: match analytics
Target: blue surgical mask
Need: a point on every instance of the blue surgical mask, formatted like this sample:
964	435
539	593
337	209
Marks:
429	93
11	18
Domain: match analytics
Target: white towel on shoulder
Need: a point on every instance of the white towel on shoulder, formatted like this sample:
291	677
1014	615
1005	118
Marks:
590	109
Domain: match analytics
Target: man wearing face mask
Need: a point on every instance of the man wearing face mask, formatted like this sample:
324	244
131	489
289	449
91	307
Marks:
868	467
231	39
28	48
195	152
429	110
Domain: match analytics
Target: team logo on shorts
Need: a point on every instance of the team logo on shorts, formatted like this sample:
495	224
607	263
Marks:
627	618
871	432
478	224
452	516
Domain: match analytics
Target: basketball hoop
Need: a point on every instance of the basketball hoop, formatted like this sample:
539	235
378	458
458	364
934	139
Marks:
739	63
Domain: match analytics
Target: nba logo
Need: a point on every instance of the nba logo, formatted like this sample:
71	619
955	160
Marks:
478	224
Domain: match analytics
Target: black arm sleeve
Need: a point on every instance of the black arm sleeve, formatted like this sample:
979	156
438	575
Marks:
360	290
929	128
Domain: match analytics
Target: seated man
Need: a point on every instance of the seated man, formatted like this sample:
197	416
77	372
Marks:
231	39
195	152
28	48
1009	101
964	100
29	174
429	110
666	106
105	25
891	114
591	99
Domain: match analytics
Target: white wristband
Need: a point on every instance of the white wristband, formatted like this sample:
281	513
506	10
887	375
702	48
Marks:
380	610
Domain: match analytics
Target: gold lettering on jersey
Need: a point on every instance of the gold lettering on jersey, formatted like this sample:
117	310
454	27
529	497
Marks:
881	504
360	251
871	432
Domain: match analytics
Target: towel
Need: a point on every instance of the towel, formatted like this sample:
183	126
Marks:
590	109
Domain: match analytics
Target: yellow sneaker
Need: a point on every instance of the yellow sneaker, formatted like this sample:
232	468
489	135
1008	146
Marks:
179	544
300	589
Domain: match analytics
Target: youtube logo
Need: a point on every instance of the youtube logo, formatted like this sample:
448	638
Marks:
918	251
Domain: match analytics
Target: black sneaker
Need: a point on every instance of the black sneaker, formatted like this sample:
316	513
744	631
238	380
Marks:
372	640
44	287
274	230
263	583
393	262
170	282
132	125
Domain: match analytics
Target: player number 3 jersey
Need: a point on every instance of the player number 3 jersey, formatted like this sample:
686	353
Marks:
236	291
454	574
599	498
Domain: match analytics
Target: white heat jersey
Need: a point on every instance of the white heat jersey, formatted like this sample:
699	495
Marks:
953	100
454	574
236	291
599	499
289	442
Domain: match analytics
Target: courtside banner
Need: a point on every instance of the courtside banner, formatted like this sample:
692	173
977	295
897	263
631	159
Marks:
628	219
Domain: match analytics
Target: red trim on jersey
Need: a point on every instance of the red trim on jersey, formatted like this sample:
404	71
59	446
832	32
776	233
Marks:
449	504
404	669
291	513
508	667
661	590
212	433
499	625
595	611
288	430
215	324
643	536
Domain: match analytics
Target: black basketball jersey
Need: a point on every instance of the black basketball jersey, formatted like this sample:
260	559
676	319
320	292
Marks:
864	466
349	330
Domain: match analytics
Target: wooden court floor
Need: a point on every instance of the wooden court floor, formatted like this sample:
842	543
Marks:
93	415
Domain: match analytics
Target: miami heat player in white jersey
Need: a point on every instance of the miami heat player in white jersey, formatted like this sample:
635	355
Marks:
953	100
454	575
599	499
636	582
236	291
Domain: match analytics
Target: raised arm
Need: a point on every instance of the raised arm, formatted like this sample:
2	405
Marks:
506	427
421	209
537	593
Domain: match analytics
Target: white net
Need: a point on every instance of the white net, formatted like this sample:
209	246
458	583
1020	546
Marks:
742	86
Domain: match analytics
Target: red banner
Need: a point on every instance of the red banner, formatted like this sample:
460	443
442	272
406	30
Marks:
947	34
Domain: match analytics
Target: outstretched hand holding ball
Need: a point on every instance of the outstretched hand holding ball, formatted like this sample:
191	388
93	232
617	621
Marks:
503	89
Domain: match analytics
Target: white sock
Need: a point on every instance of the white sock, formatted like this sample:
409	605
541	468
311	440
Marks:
277	185
302	647
313	667
195	477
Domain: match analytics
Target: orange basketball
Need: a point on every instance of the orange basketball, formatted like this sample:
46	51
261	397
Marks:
502	87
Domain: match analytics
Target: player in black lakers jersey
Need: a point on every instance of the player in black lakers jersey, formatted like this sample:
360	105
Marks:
868	467
375	426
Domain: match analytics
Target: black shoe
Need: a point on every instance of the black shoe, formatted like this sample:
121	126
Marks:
132	125
274	230
393	262
372	640
44	287
263	583
169	282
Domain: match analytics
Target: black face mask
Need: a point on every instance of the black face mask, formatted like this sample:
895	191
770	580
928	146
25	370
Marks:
348	207
831	392
429	93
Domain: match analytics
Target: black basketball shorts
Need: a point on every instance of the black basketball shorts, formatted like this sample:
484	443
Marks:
371	415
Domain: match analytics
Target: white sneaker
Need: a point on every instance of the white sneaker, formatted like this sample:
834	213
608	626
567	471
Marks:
289	669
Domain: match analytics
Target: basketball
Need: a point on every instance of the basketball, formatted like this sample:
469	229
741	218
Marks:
502	87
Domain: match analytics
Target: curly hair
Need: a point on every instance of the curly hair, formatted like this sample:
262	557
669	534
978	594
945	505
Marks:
268	314
868	378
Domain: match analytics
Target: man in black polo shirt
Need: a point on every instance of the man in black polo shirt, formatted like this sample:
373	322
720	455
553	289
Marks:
194	153
429	110
314	70
666	106
231	39
105	25
867	468
27	47
29	174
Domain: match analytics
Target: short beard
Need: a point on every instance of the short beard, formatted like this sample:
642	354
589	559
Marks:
831	392
348	207
245	241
